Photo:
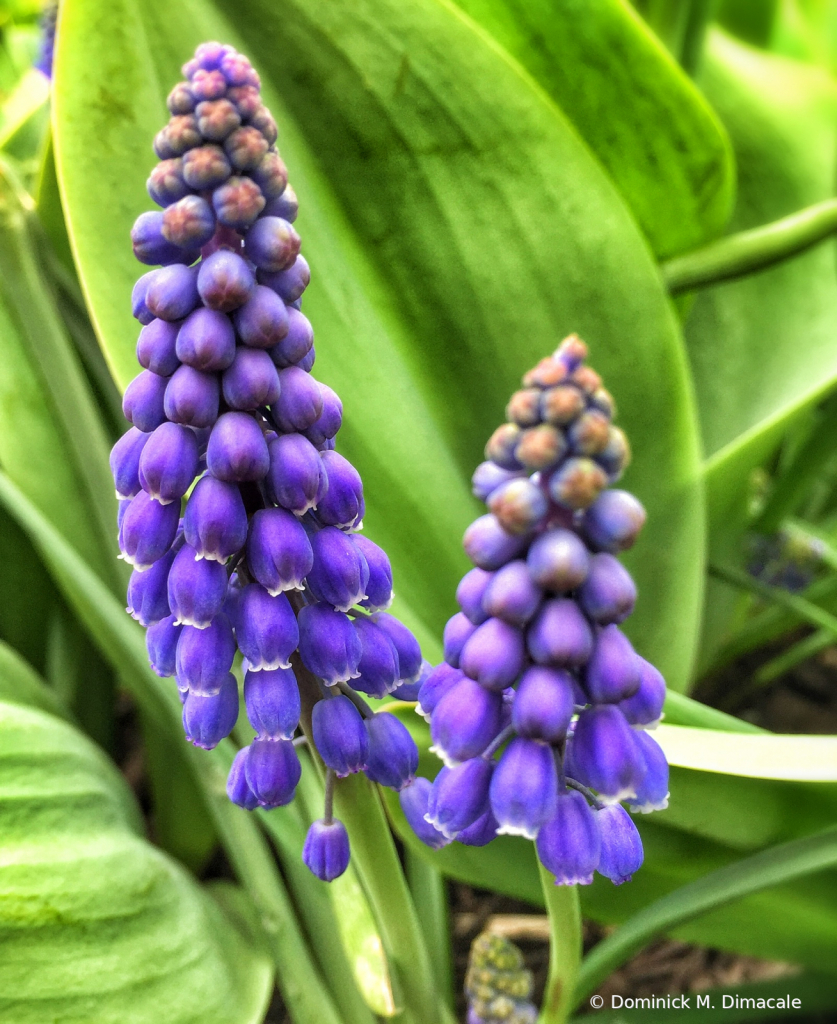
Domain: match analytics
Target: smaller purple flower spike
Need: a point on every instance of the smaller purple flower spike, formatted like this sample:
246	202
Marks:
414	801
458	630
342	504
569	844
197	588
273	703
493	654
296	478
524	788
614	521
543	705
621	853
148	600
143	402
441	679
326	849
459	796
470	593
612	674
604	754
608	594
328	643
169	462
272	771
406	645
379	585
147	531
652	791
209	718
266	629
392	759
237	451
279	553
339	574
340	735
161	643
645	707
215	521
124	462
465	721
238	789
378	668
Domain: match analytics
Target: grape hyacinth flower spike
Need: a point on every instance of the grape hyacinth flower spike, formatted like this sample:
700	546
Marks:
540	708
236	512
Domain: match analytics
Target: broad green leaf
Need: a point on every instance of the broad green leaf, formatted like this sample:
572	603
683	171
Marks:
641	115
457	229
98	926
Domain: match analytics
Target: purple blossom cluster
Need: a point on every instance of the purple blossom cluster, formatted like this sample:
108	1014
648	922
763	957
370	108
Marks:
497	985
236	512
541	706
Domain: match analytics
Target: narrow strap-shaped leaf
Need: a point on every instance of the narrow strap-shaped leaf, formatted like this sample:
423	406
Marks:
682	710
427	887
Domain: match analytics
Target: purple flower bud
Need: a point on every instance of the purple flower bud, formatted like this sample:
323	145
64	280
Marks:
340	735
237	450
251	382
266	629
326	849
288	284
378	666
124	462
205	168
604	755
172	291
488	545
169	462
569	844
511	594
414	799
271	173
483	830
541	447
544	703
192	397
328	643
279	553
613	522
272	701
149	244
621	852
165	184
465	720
469	595
409	652
558	561
392	759
148	600
197	588
247	101
148	530
205	656
297	477
458	630
245	148
206	340
502	444
340	573
652	789
612	674
209	718
437	683
215	521
285	206
342	504
189	222
306	364
645	707
225	282
379	585
297	343
262	321
272	770
216	119
493	654
271	243
488	476
238	789
608	594
577	483
560	635
524	788
519	505
138	306
161	642
156	347
300	402
142	402
330	419
178	136
459	796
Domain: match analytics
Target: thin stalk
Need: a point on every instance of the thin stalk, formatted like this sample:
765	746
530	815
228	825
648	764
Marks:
788	659
564	912
749	251
427	887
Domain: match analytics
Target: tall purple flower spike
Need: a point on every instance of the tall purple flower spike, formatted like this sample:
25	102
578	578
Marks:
542	692
226	397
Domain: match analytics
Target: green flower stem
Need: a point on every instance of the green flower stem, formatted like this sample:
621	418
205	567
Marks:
564	913
427	887
748	251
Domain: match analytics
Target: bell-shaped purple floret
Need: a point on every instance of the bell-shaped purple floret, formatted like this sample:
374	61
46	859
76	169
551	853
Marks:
150	244
608	594
206	340
156	347
409	652
238	789
148	600
288	284
300	401
266	629
342	504
613	672
459	796
544	703
172	292
340	735
379	584
224	281
297	477
378	668
262	321
297	347
339	574
645	707
328	643
205	656
481	832
409	691
652	789
441	679
465	721
272	701
237	450
414	799
147	531
326	849
209	718
330	419
392	759
560	635
458	629
161	643
251	381
488	545
272	770
613	521
138	307
215	521
470	592
524	788
279	553
169	462
512	595
197	588
143	401
494	654
272	244
124	462
604	755
192	397
621	853
558	561
569	844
